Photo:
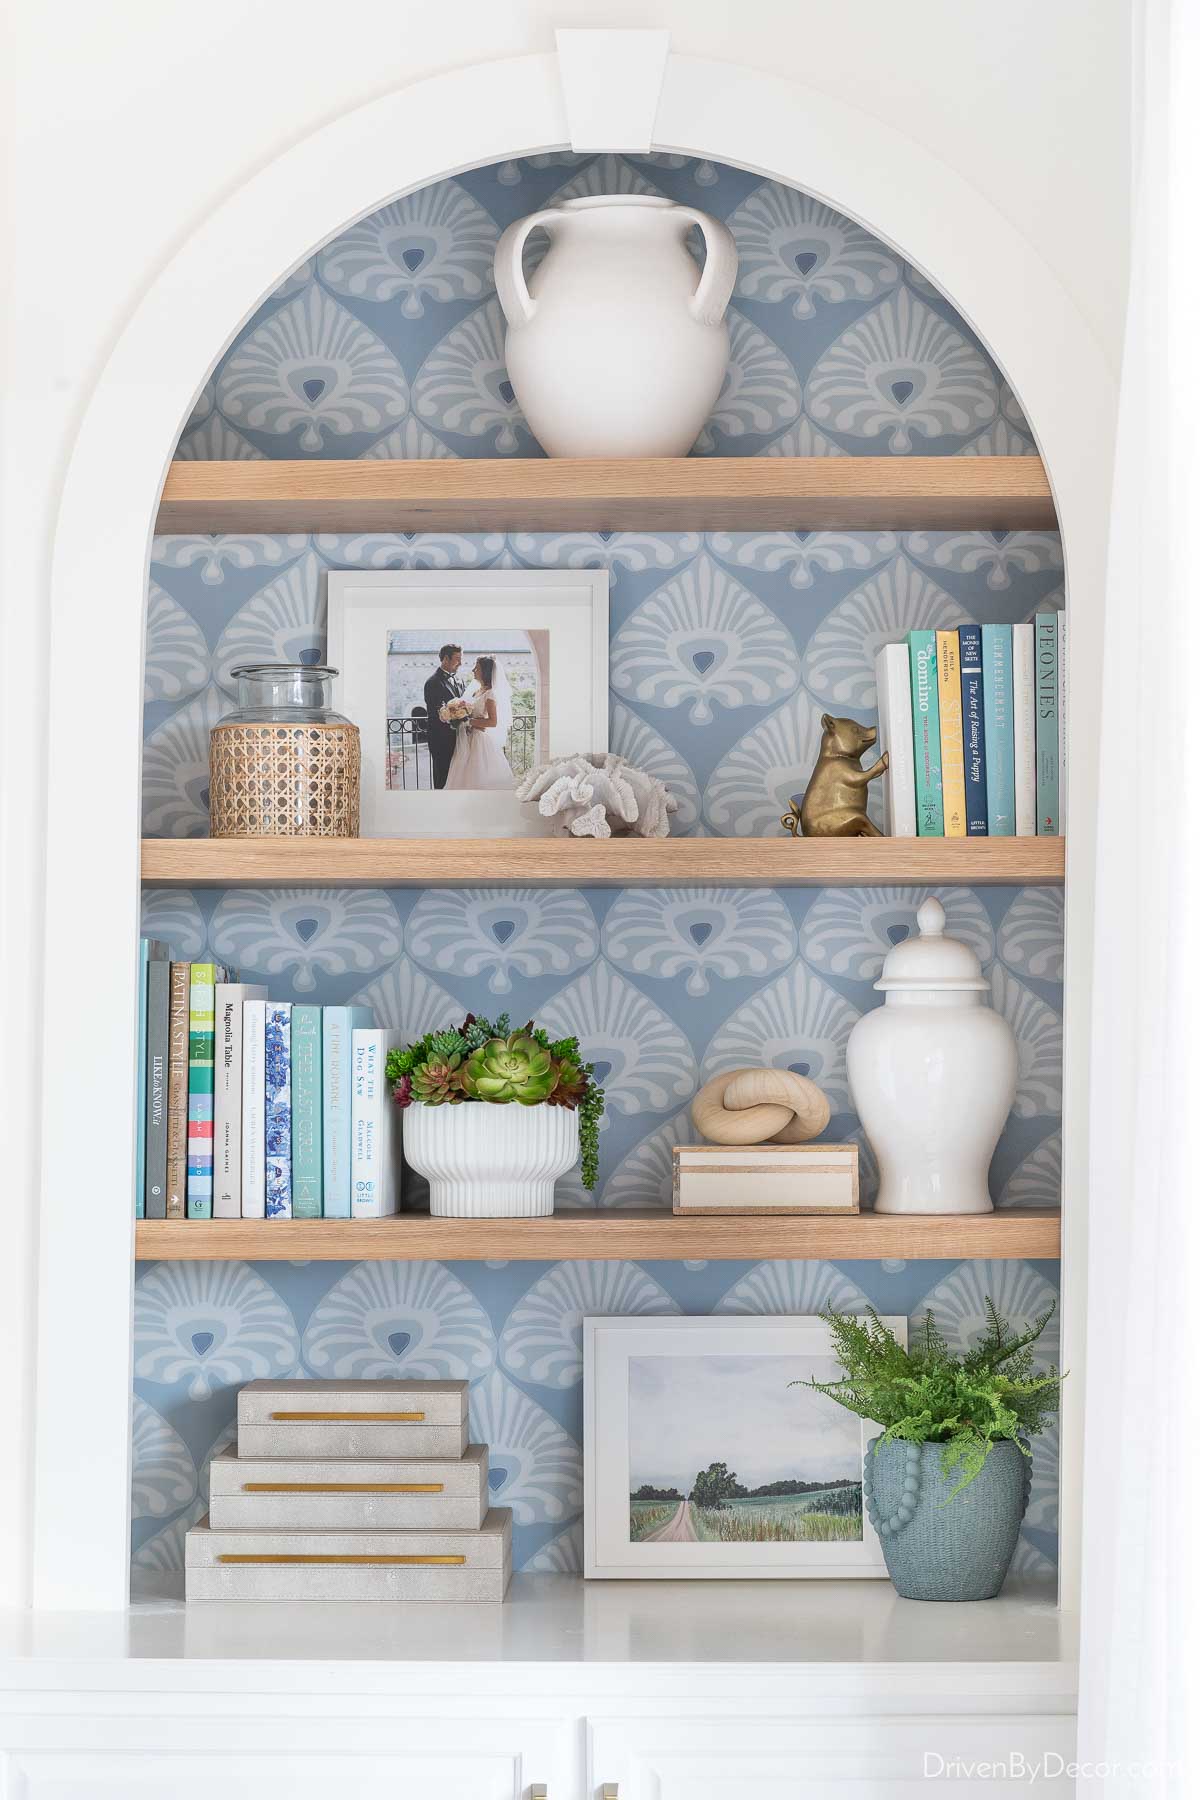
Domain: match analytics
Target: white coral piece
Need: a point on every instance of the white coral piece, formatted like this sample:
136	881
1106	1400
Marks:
597	794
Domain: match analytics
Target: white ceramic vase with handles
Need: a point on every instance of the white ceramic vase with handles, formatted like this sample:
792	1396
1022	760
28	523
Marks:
617	346
933	1075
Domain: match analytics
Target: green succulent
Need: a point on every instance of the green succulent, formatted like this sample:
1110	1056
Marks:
571	1084
512	1068
438	1082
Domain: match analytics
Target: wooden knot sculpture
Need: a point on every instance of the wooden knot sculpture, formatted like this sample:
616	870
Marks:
760	1106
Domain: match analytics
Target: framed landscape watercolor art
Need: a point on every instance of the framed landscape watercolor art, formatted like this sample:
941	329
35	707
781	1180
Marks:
461	682
703	1459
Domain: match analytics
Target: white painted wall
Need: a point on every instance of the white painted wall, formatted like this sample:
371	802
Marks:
123	127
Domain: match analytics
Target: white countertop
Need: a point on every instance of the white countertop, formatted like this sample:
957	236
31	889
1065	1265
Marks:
858	1629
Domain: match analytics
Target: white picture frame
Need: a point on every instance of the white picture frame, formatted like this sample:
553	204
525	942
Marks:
614	1353
565	610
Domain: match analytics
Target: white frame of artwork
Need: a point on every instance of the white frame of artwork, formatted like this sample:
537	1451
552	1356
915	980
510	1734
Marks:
608	1554
571	604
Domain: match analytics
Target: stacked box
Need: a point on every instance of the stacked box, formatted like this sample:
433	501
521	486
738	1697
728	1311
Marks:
351	1490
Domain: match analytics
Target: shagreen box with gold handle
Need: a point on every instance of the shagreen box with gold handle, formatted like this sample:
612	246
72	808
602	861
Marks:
765	1178
351	1565
349	1493
352	1418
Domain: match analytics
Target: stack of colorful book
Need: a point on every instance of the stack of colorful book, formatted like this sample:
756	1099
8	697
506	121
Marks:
251	1108
974	724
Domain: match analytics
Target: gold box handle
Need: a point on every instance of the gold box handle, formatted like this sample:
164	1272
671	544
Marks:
383	1562
608	1790
342	1487
355	1418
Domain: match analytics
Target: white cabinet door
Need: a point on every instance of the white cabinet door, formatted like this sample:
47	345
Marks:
875	1758
197	1775
224	1757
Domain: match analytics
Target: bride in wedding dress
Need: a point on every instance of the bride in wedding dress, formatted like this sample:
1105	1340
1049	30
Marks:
479	760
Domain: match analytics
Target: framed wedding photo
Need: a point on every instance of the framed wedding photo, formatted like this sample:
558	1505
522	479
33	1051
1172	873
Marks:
461	682
704	1461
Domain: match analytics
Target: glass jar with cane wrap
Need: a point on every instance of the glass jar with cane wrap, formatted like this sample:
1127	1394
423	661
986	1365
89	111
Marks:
284	764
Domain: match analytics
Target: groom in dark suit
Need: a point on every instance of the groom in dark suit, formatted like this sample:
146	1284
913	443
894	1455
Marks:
443	685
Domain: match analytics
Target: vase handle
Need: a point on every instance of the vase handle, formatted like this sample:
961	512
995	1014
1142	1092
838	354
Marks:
512	288
907	1506
707	305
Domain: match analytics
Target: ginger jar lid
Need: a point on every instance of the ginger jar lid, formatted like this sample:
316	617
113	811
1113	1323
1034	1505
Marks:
931	962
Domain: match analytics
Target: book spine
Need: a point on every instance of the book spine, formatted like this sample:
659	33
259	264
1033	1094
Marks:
158	1026
375	1174
336	1085
177	1091
1024	732
950	725
896	737
201	1043
254	1100
307	1154
1062	723
1046	625
970	660
927	746
278	1115
227	1096
998	730
139	1173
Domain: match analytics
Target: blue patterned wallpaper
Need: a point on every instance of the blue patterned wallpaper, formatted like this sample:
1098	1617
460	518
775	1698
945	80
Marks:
725	650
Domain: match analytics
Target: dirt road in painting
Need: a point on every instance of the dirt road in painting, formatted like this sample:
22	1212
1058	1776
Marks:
677	1530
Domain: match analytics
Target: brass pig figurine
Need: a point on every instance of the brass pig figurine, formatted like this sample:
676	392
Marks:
835	800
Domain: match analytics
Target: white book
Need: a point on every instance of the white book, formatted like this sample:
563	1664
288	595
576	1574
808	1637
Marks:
227	1096
1062	724
254	1109
374	1126
893	684
1024	730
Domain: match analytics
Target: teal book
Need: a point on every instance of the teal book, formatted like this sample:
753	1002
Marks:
998	740
1045	668
337	1028
308	1162
149	950
927	732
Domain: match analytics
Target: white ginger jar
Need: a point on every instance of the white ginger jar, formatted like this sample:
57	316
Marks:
933	1075
617	345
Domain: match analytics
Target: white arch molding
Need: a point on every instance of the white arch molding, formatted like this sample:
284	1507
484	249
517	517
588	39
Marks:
424	133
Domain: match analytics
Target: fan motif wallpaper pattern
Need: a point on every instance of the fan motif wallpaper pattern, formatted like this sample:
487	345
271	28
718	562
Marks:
725	650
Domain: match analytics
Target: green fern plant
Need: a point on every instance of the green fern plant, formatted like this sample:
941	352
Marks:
928	1395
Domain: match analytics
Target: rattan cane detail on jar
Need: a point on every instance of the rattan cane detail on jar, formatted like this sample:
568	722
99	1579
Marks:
283	765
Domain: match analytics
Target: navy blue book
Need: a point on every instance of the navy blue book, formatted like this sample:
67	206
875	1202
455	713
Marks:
970	658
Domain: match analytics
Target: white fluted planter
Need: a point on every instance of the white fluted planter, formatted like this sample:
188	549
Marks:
491	1162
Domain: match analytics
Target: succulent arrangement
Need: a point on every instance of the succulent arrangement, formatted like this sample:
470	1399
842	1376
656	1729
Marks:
486	1060
929	1395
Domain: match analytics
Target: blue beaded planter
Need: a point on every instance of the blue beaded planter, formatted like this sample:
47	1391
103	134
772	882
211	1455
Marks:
937	1548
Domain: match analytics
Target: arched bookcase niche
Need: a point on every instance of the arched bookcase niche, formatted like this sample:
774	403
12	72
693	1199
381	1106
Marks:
389	343
405	296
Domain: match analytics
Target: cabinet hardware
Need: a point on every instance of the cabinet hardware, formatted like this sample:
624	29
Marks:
608	1790
537	1790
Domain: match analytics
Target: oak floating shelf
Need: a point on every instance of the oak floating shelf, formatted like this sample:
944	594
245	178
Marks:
597	1236
590	862
732	493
